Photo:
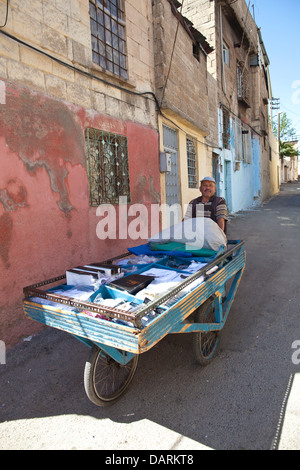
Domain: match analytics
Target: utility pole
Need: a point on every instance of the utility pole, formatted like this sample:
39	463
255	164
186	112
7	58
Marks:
275	105
278	132
278	136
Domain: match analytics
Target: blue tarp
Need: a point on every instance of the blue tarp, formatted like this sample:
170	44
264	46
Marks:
201	255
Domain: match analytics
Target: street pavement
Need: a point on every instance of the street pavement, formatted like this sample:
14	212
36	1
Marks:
246	399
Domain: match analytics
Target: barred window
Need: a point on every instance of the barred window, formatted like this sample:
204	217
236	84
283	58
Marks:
243	87
107	165
191	163
107	18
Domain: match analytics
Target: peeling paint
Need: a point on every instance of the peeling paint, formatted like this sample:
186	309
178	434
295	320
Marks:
14	195
44	134
144	191
6	228
46	223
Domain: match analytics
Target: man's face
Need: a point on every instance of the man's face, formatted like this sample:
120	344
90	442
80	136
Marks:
208	188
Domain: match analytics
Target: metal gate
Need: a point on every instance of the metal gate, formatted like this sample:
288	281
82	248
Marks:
172	183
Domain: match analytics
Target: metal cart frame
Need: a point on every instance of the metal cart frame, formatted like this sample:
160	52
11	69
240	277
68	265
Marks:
115	347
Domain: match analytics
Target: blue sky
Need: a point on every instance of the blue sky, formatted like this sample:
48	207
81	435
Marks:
280	27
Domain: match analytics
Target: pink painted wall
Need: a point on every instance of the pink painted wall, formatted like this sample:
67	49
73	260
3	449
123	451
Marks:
46	224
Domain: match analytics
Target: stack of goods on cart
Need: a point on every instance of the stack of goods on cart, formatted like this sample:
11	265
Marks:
146	272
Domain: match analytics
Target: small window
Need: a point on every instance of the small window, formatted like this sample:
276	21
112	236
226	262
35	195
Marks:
191	163
226	54
243	84
107	18
107	161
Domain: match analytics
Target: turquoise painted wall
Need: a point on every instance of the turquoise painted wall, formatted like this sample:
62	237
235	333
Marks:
240	183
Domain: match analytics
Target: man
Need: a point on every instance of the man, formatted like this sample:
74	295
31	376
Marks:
209	204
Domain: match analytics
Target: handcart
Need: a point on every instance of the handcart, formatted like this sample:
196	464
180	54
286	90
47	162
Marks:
198	304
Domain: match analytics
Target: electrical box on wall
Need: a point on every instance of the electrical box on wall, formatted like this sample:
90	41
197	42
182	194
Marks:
165	162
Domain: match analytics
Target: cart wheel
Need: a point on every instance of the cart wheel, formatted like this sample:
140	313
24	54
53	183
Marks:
105	379
205	345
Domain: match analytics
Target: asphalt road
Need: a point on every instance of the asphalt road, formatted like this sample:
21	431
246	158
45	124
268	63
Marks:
246	399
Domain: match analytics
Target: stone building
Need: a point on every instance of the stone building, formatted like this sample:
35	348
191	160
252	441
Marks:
240	67
289	165
181	84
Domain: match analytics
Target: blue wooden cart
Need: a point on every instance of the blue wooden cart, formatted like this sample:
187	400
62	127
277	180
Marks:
199	304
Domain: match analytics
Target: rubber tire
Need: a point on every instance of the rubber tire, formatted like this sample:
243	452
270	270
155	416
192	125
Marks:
116	377
205	345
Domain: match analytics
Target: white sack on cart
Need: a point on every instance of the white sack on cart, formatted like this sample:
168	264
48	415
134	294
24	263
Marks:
196	233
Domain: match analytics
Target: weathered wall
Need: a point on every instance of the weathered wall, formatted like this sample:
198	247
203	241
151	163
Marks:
46	224
181	80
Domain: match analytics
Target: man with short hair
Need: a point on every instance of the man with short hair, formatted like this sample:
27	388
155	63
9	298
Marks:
209	204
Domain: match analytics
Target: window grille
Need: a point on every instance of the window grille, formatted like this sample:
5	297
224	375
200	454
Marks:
107	161
107	18
191	163
243	88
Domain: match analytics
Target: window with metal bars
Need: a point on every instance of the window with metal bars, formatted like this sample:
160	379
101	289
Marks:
191	162
107	165
107	18
243	86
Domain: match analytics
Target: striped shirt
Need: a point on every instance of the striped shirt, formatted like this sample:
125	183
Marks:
205	209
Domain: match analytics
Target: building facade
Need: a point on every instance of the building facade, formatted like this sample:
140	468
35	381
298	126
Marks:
289	165
107	106
181	86
76	82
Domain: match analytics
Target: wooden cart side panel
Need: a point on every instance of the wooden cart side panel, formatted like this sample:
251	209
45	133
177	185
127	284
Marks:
167	322
84	326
